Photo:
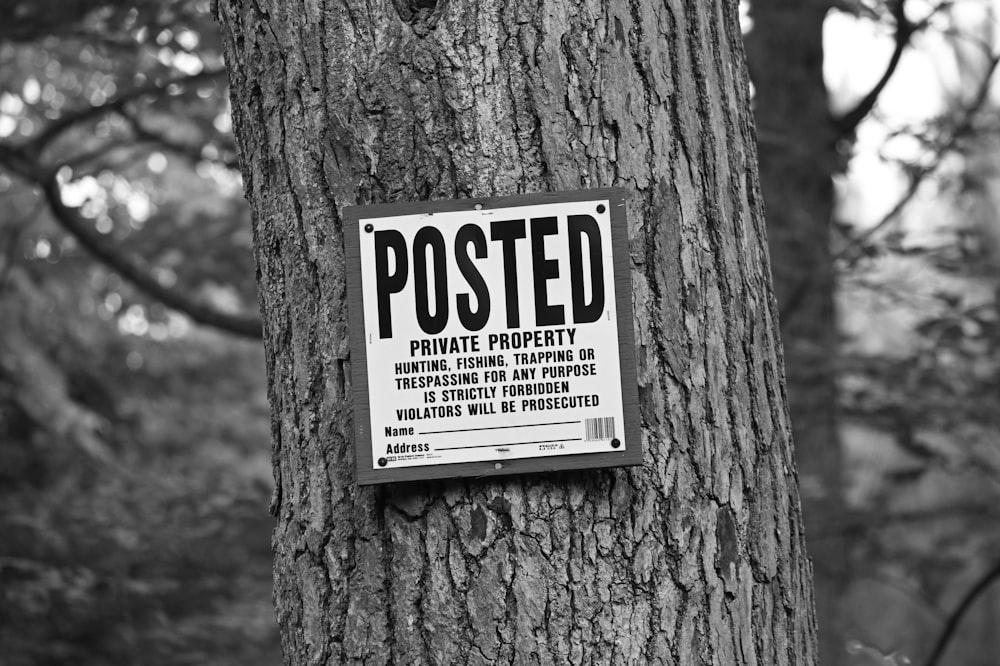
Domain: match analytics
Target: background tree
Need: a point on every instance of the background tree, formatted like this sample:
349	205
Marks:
797	143
807	139
694	557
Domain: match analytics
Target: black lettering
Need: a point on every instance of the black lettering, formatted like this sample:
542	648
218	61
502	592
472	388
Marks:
386	284
473	321
507	232
430	237
580	225
544	270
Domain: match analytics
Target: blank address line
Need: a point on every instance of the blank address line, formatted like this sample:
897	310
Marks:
523	425
502	446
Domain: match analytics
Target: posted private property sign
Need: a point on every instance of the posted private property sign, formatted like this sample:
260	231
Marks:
491	336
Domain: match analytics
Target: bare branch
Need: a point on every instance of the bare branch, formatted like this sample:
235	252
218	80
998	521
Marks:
116	103
905	29
106	251
847	123
70	220
191	152
956	616
80	161
850	251
854	248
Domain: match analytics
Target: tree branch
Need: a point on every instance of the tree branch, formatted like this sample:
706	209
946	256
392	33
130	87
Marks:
105	251
853	250
905	29
847	123
191	152
79	161
850	251
70	220
116	103
956	617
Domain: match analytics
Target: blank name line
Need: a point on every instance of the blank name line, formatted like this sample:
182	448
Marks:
503	446
523	425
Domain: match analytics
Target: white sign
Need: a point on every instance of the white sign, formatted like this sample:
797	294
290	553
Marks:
491	334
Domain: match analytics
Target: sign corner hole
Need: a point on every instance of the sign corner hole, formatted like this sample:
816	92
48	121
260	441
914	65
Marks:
600	208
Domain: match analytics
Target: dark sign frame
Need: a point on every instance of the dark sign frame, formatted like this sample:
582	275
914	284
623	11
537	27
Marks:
632	455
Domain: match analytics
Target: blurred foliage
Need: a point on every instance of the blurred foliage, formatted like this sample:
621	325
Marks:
919	305
134	458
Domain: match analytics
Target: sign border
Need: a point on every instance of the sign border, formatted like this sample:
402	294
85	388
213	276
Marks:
632	455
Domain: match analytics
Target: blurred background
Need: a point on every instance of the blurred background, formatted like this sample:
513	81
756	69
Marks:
134	440
134	435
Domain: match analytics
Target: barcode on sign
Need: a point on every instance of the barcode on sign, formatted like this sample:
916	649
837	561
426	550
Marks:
599	428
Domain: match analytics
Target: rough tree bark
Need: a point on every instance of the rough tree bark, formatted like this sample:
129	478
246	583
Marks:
798	159
695	557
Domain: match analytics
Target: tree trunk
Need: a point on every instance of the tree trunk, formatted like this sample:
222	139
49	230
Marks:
798	158
695	557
